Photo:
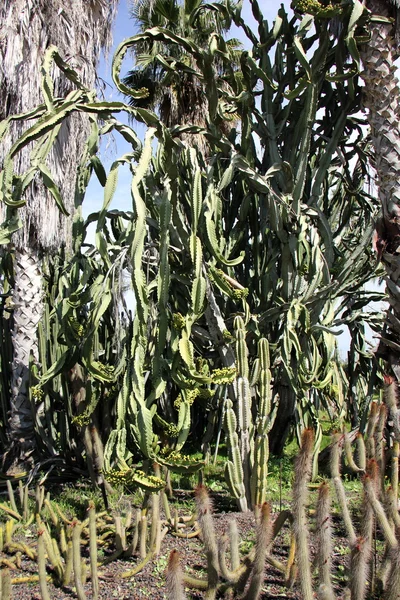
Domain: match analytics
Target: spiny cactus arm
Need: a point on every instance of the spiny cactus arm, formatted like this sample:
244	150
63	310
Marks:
174	578
390	396
93	550
233	469
230	576
395	468
324	536
204	517
393	585
325	593
193	583
302	478
263	540
44	590
370	433
349	455
360	552
380	441
241	350
77	560
361	452
234	544
336	452
392	506
264	423
387	530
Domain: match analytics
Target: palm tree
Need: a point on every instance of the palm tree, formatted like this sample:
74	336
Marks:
382	100
177	95
80	29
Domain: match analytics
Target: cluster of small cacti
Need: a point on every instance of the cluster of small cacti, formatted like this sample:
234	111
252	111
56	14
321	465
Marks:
58	545
243	579
379	506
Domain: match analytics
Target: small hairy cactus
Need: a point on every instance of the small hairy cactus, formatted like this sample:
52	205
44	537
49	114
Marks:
324	542
204	515
263	540
174	578
302	476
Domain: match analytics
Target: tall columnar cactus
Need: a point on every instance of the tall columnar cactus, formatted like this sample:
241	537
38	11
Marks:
248	443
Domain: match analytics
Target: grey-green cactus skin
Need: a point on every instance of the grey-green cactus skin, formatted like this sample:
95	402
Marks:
248	444
267	238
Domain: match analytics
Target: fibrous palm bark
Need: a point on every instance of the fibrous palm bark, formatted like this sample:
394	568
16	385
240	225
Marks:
382	100
79	28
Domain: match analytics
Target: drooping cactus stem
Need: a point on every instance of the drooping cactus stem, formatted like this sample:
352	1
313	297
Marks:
336	451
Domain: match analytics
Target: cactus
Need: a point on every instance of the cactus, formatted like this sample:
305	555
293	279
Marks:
302	476
324	537
263	540
247	470
174	578
42	565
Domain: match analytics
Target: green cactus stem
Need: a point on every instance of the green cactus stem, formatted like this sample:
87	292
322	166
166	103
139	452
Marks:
174	578
93	551
10	512
42	565
370	433
5	584
349	455
324	537
302	476
395	468
76	559
39	498
361	452
12	500
68	568
336	451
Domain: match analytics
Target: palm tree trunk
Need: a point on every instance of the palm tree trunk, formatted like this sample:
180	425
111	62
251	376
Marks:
28	309
80	29
382	100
